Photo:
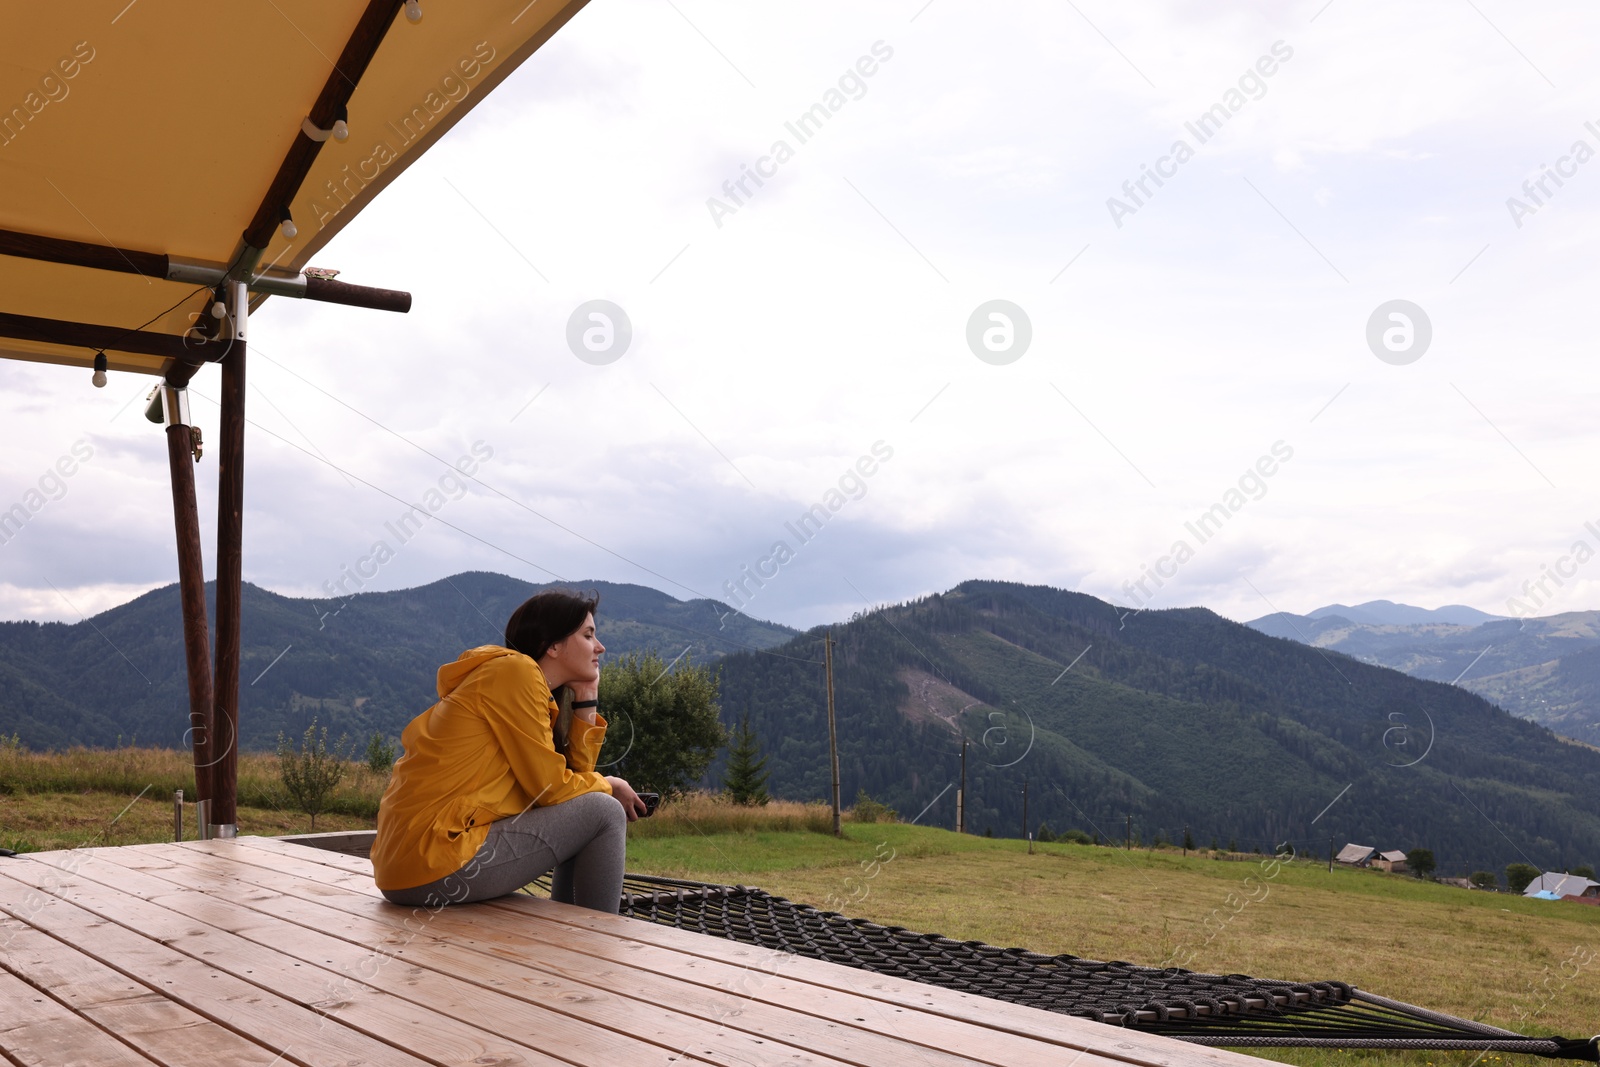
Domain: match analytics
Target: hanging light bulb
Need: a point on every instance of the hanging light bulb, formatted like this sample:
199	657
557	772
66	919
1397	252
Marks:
341	128
99	378
286	224
414	10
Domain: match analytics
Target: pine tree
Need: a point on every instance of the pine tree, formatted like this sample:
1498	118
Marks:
746	776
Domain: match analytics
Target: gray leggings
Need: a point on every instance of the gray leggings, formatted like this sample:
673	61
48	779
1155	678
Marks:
583	840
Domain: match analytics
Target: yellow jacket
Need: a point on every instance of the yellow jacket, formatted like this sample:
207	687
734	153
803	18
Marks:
485	751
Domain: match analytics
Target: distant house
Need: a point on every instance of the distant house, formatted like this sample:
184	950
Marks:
1559	885
1459	883
1356	855
1393	861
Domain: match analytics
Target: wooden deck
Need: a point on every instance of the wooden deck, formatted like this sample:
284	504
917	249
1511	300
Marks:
258	951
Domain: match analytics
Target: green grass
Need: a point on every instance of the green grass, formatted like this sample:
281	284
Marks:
1492	957
55	800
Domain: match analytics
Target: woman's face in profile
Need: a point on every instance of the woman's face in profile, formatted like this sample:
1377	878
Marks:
577	656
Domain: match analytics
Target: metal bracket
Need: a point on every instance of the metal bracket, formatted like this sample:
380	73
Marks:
168	405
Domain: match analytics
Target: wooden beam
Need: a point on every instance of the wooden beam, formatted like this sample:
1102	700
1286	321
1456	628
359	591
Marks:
334	98
115	338
362	296
192	591
82	254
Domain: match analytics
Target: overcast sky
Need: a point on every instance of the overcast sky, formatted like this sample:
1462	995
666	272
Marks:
1175	337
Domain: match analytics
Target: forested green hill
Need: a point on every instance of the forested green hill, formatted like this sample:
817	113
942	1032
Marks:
1175	718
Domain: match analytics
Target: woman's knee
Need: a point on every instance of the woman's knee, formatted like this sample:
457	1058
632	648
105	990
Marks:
604	808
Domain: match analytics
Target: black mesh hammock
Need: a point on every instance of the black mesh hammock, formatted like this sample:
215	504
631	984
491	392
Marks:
1207	1009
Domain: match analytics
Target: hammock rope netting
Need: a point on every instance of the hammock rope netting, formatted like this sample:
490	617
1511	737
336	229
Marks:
1208	1009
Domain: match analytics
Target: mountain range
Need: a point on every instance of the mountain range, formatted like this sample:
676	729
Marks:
359	665
1128	728
1544	669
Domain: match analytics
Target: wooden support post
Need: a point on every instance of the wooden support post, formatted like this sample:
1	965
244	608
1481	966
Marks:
833	730
961	794
192	594
230	570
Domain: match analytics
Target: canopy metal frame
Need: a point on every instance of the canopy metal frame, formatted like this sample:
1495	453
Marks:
221	339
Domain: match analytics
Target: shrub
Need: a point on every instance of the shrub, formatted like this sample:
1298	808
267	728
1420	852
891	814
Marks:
868	810
380	754
1484	880
312	774
1077	837
662	721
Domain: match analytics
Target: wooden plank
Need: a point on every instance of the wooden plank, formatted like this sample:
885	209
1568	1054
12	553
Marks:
675	1012
238	936
882	1039
36	1030
431	1034
1151	1050
104	889
161	1029
246	1009
746	994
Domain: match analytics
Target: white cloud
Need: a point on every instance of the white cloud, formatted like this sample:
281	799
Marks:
832	306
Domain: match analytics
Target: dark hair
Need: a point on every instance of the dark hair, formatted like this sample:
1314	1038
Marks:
546	618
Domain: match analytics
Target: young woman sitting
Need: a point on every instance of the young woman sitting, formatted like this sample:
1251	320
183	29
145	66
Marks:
488	795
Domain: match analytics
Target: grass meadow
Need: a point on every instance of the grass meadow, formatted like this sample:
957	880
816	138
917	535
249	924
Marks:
1526	965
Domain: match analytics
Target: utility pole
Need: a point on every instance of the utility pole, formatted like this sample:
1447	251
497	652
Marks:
1186	842
833	730
1330	855
1025	832
961	794
1127	835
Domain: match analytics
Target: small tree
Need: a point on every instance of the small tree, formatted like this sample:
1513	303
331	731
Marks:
1188	840
1518	875
746	776
663	729
1583	870
1484	880
380	754
1421	861
312	774
1045	833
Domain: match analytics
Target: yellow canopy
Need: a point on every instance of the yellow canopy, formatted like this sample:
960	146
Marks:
166	137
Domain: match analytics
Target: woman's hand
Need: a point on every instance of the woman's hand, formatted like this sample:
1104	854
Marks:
629	800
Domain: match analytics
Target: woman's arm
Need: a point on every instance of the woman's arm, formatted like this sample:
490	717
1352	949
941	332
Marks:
515	704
